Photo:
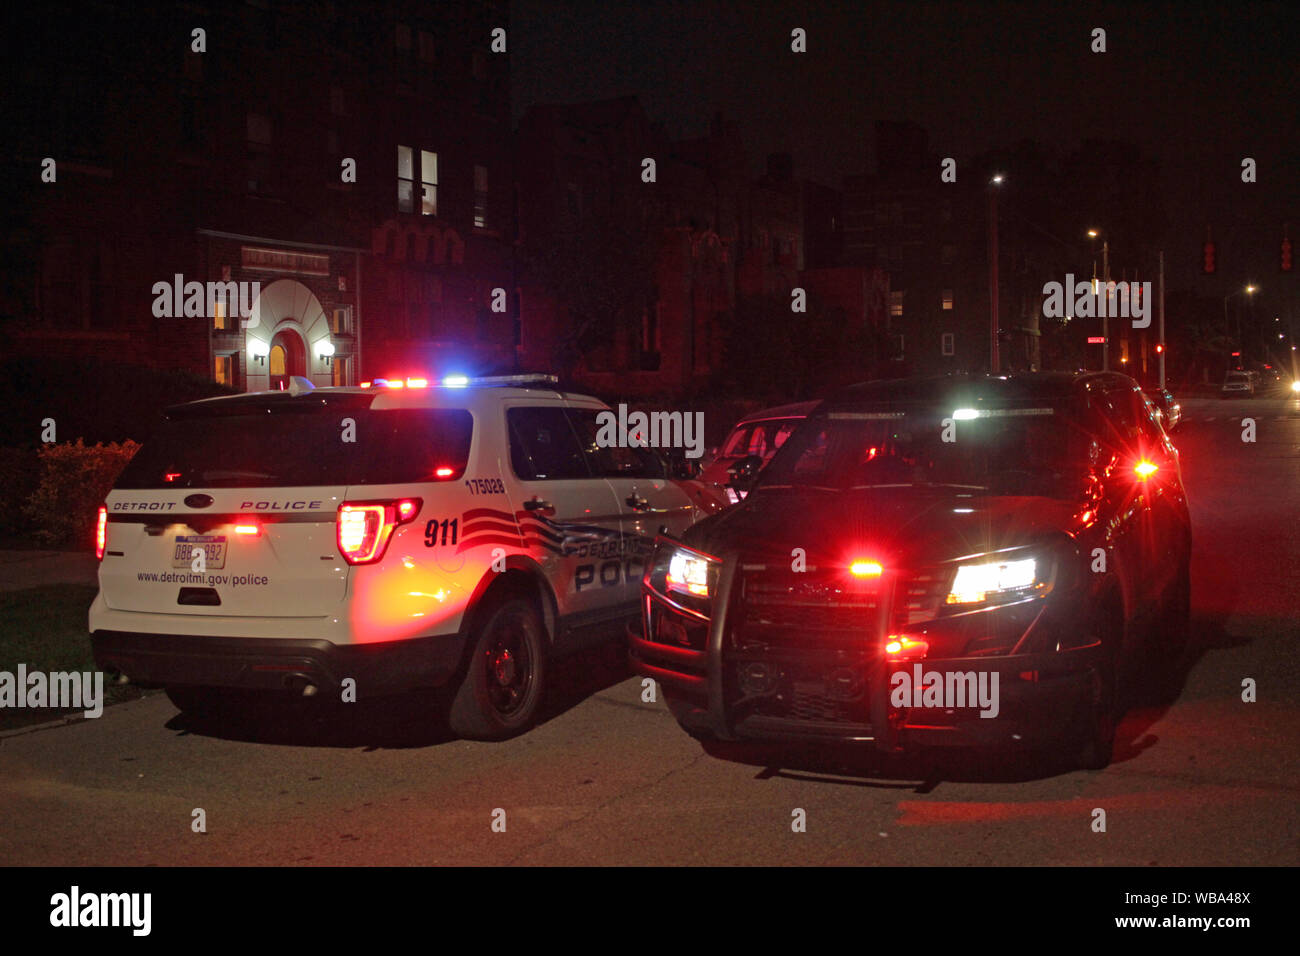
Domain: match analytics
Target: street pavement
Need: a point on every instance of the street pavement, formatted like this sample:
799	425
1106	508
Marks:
607	779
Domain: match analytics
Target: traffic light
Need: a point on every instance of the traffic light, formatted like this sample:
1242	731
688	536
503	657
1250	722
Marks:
1207	261
1286	255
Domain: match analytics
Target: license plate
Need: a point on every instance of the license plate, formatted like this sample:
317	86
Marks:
212	545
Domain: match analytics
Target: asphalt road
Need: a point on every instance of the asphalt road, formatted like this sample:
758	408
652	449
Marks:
608	779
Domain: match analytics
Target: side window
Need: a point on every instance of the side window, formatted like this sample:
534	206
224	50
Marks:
543	446
737	442
613	462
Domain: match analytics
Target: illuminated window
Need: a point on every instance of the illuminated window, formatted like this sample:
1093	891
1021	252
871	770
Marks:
947	300
896	303
223	369
341	320
428	183
405	180
339	371
480	197
219	315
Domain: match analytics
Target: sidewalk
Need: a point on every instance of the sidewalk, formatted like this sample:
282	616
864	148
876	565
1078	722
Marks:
29	569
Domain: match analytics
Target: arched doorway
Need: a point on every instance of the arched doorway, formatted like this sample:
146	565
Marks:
288	357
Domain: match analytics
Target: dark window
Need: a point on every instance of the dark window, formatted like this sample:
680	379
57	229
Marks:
613	461
283	443
543	446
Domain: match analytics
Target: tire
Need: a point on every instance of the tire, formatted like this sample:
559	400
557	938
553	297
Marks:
505	678
1100	713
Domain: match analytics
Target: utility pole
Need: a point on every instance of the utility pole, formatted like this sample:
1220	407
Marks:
1105	319
1161	336
993	275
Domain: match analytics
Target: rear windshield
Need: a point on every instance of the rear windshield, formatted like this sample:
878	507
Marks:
292	445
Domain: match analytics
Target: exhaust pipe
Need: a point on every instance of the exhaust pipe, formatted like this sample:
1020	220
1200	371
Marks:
301	684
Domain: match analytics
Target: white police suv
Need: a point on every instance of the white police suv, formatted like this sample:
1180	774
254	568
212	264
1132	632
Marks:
397	536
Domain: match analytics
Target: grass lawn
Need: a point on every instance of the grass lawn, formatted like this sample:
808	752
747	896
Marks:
45	628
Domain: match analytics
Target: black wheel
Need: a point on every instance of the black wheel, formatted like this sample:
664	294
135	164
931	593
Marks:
1102	708
505	677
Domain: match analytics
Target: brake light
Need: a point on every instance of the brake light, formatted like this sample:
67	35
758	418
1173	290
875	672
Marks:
1145	469
247	529
364	527
866	569
444	472
101	532
900	647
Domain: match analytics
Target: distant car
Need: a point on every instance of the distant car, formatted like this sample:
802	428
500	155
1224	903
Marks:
946	526
758	434
1238	382
1170	411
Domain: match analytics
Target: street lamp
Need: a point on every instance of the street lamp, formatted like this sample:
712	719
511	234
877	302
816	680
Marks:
995	182
1248	290
1105	279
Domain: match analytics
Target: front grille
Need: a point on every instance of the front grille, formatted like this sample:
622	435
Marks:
809	609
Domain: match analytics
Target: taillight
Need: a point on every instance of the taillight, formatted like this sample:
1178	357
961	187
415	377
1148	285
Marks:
364	527
101	532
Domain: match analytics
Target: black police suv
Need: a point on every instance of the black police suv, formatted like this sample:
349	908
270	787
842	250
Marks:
934	561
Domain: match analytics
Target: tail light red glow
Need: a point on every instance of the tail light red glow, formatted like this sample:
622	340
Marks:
900	647
862	568
444	472
247	529
101	533
364	527
1145	469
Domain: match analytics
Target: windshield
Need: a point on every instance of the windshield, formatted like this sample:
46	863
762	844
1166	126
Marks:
1008	451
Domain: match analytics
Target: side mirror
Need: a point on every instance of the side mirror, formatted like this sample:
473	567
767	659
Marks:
685	469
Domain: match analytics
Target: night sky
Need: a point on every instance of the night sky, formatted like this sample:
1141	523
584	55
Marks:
1195	86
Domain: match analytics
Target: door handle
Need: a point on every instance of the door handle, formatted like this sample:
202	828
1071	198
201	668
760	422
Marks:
637	503
540	505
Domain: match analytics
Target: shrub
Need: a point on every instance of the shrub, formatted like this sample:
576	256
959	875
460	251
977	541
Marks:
75	480
20	473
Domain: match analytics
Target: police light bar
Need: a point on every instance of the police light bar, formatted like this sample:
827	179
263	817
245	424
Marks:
462	381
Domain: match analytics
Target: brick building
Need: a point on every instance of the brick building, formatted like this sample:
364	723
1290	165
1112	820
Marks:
233	163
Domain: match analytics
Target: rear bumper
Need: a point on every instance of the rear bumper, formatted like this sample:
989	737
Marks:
275	663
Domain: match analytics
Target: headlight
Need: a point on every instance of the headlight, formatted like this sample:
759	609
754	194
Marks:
998	581
686	577
688	573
